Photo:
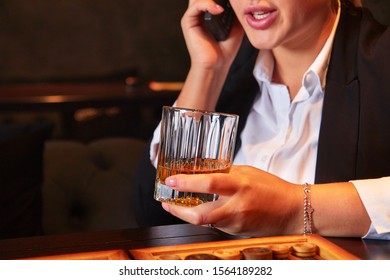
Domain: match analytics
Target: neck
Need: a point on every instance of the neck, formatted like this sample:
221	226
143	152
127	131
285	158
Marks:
293	60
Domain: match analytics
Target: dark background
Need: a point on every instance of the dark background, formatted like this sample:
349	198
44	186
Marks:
61	40
80	128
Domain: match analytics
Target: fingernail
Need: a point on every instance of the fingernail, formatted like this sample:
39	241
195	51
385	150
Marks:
165	206
170	182
218	7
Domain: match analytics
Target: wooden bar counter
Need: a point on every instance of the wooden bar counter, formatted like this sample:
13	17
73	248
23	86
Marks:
173	235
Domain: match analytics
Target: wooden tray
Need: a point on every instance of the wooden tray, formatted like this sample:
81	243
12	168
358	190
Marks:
326	249
100	255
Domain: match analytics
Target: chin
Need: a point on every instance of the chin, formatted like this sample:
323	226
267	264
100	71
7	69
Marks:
260	43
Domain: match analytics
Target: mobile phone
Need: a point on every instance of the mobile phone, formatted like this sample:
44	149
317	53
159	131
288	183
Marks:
219	25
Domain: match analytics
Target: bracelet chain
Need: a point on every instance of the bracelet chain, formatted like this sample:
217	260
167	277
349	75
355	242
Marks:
307	210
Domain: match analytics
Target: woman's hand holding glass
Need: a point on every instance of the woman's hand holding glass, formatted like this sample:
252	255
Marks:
251	202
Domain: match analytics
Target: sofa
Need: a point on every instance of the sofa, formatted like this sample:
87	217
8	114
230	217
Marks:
88	187
55	186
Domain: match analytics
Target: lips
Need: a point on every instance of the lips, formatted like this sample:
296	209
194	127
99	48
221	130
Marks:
260	17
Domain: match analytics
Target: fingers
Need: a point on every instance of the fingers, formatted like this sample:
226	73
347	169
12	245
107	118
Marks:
197	8
218	214
193	17
217	183
207	213
225	184
205	6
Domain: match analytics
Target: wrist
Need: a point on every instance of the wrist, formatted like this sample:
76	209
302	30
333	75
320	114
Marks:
293	223
201	89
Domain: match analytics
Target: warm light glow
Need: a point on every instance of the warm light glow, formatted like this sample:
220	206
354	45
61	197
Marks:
165	86
54	99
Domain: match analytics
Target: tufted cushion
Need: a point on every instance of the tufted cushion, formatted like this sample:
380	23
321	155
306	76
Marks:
88	187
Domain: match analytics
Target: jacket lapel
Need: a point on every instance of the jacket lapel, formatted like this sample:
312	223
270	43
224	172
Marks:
240	87
338	139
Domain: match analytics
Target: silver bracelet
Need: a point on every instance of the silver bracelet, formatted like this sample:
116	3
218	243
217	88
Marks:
307	210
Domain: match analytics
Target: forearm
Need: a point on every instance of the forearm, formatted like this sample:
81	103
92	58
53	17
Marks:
338	210
210	60
202	88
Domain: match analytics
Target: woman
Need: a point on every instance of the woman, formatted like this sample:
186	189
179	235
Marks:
313	106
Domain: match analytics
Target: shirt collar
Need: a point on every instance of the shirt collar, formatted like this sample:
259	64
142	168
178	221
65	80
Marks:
321	63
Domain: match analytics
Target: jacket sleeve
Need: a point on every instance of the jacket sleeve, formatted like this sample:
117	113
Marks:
149	211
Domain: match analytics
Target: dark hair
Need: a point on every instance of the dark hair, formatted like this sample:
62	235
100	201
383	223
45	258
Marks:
346	3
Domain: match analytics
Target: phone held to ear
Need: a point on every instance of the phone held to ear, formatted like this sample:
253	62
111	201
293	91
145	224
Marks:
219	25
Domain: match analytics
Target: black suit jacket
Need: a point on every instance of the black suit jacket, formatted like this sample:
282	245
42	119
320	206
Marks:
354	140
